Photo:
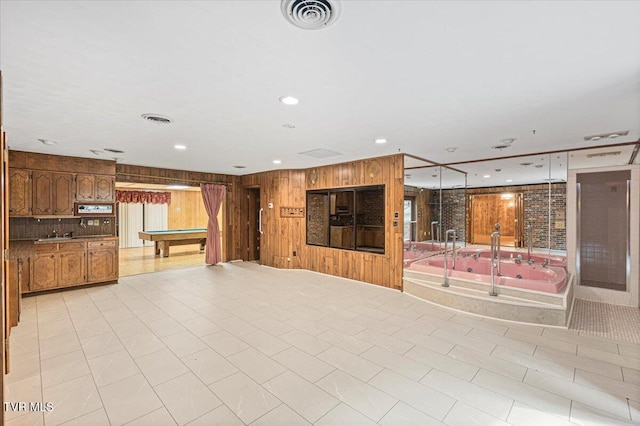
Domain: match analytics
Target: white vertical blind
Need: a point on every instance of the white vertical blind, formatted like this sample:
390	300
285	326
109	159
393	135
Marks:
129	223
155	218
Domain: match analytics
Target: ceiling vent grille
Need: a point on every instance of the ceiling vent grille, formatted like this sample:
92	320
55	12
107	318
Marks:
311	14
320	153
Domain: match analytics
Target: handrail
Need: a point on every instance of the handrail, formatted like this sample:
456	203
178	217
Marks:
497	228
260	220
529	242
453	253
495	237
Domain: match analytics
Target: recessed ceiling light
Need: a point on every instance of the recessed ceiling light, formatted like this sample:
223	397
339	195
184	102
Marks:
115	151
288	126
239	167
180	147
289	100
509	180
596	138
613	136
486	176
177	187
157	118
451	149
526	163
381	141
48	141
277	162
610	135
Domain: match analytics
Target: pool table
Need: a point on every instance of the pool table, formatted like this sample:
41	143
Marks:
174	237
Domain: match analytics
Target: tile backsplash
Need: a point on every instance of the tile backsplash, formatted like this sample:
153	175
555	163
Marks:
28	227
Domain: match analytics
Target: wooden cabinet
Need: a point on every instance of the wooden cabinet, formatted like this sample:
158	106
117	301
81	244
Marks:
58	265
342	236
52	193
99	188
19	193
102	263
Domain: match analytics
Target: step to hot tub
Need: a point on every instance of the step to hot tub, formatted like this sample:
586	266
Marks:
508	305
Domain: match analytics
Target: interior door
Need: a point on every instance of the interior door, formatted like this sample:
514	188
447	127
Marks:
253	224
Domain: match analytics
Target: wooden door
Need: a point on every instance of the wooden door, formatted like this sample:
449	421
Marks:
85	187
105	189
19	193
63	193
72	266
42	193
102	265
44	272
253	225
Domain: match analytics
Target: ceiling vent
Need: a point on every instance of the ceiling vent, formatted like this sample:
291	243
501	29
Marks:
157	118
320	153
311	14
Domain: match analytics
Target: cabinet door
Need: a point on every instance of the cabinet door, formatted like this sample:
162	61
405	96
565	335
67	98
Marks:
44	272
63	193
102	265
19	192
105	189
72	266
42	194
85	187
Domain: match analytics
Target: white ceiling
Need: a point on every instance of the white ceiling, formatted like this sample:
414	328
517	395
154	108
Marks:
424	75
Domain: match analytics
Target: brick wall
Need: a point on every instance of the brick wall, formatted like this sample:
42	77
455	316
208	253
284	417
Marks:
317	225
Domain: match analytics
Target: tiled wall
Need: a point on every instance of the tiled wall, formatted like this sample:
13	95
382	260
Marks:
453	211
371	207
317	211
28	227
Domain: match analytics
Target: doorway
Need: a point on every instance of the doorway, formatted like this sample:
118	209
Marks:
253	234
503	208
410	223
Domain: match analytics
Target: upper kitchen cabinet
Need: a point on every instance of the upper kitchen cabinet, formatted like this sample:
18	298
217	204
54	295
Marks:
52	193
95	188
19	193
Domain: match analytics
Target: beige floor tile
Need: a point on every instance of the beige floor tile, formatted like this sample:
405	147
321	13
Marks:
534	362
28	419
607	384
397	363
159	417
404	415
358	395
342	414
256	365
247	399
489	362
164	326
95	418
303	364
100	344
23	366
513	344
308	343
186	398
55	328
588	416
272	326
351	364
92	328
265	342
374	324
540	399
236	326
224	343
63	368
634	409
444	363
59	345
463	415
426	399
220	416
308	326
587	364
142	344
129	399
160	366
209	366
113	367
200	326
608	357
468	342
631	376
524	415
128	327
425	341
183	343
28	389
629	350
345	341
543	341
71	400
344	326
589	341
305	398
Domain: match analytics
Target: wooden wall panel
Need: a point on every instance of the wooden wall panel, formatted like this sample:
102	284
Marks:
423	219
192	213
283	236
60	163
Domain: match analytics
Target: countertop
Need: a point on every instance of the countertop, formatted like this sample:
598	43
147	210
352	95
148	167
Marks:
24	248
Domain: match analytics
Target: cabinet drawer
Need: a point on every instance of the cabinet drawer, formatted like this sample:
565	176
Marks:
101	244
46	248
75	246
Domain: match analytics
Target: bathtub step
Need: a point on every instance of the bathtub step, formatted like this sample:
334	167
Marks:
479	302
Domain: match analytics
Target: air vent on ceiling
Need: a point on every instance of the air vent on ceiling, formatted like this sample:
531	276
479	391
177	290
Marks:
604	154
115	151
311	14
157	118
320	153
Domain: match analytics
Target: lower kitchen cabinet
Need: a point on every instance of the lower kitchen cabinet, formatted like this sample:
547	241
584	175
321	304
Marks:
102	264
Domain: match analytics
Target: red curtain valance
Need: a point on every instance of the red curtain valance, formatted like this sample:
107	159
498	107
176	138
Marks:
148	197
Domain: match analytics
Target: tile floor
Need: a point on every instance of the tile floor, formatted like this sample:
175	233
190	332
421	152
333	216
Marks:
242	344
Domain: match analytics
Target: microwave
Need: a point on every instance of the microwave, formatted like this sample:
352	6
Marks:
94	209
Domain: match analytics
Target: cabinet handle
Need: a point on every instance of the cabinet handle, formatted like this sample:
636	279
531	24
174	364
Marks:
52	256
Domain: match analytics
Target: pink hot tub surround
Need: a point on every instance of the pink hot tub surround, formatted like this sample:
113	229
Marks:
415	251
538	258
531	277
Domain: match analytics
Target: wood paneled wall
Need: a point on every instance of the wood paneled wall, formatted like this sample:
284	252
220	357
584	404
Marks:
60	163
283	236
423	220
187	211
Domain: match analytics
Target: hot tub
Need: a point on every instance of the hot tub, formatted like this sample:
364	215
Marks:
535	277
538	258
415	251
